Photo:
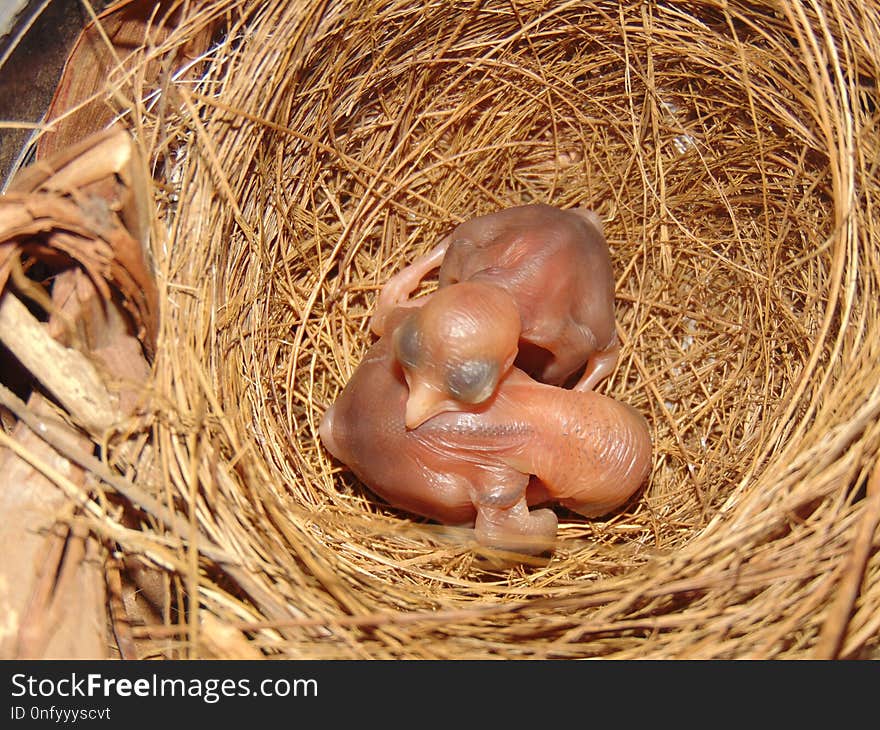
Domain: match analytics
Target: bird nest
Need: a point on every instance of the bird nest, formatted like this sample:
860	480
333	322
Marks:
730	149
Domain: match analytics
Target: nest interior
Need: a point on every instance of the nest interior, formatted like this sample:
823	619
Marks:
730	149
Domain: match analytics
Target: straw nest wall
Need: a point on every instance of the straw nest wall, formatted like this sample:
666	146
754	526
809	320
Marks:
730	148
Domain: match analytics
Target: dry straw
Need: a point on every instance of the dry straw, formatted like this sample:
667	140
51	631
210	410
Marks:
731	149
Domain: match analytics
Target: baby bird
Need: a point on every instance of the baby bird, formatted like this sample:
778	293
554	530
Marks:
554	268
525	444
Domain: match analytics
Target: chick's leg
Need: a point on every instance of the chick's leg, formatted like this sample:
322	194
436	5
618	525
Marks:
599	367
396	291
515	528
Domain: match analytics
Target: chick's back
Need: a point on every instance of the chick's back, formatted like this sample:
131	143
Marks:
556	265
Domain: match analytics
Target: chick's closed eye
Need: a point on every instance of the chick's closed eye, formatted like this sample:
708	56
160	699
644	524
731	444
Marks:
472	381
407	343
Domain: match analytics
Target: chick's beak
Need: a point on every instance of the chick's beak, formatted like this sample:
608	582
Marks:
423	403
